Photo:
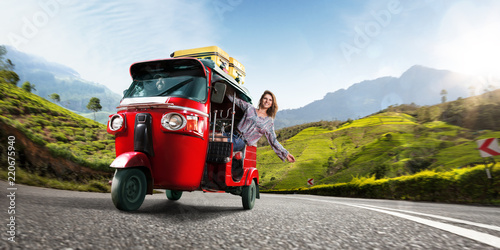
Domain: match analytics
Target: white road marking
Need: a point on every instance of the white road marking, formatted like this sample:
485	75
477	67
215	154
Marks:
464	232
443	218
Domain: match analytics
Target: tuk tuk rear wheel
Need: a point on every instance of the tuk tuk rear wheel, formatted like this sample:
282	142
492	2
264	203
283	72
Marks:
248	195
128	189
173	195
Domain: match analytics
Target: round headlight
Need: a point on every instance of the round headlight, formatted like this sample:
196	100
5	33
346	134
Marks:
173	121
116	122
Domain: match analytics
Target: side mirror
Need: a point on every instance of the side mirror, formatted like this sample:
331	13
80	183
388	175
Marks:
218	92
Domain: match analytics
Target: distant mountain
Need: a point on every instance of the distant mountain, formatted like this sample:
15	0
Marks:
50	77
419	85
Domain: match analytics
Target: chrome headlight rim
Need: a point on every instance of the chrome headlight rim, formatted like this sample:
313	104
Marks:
167	123
120	123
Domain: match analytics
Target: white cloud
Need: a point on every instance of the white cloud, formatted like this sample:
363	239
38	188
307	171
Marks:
101	39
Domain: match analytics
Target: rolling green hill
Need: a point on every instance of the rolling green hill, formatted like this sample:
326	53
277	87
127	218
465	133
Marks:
52	142
385	145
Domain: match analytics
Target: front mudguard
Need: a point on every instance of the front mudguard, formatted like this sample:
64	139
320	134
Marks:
135	160
252	174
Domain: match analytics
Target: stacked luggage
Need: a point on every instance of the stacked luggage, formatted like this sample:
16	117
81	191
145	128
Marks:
222	59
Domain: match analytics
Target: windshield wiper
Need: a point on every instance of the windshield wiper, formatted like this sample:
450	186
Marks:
176	86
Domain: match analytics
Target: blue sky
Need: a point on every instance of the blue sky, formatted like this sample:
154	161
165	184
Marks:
298	49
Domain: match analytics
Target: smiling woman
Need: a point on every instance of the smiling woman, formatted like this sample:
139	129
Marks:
258	122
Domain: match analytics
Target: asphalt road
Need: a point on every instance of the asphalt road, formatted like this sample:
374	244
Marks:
56	219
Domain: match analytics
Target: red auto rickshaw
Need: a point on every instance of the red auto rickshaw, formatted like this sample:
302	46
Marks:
165	131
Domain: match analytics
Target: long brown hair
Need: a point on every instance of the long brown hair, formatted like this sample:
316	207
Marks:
274	107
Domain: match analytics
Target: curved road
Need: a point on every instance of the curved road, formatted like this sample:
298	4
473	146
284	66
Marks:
56	219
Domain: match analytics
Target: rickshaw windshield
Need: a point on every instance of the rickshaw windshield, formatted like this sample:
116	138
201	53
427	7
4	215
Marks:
168	78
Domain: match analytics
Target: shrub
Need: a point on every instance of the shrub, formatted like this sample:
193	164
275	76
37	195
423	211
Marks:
14	110
60	151
379	171
79	138
60	136
98	145
15	102
418	164
37	139
469	185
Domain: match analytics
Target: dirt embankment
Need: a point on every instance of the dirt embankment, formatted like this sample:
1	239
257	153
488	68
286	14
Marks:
37	159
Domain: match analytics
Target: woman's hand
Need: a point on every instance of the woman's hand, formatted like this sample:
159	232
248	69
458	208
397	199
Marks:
290	158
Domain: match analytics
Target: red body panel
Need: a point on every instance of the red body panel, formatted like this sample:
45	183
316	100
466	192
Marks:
251	157
251	163
249	167
253	173
179	157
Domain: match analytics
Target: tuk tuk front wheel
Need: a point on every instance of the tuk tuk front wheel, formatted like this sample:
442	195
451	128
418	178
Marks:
248	195
128	189
173	195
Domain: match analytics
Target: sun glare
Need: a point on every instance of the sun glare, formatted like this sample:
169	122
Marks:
469	41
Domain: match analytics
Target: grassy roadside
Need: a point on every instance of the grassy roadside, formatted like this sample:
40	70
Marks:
466	185
23	177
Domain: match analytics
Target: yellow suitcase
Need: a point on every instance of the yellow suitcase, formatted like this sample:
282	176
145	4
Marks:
237	70
214	53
